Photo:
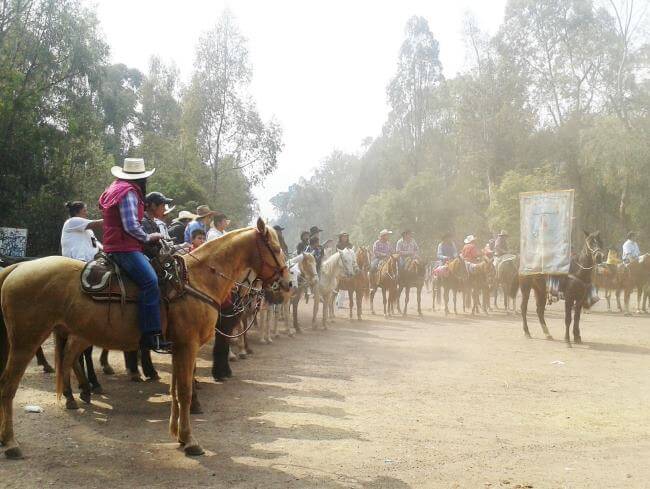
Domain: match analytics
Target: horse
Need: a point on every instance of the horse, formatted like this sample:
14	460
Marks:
577	287
479	277
52	284
304	276
507	269
607	277
359	283
634	276
454	280
340	265
411	275
386	278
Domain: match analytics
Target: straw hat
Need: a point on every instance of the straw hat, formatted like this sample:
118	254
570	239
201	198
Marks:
132	169
186	215
470	239
204	211
384	232
503	233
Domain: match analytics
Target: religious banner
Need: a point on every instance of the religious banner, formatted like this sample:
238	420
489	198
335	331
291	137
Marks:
13	241
546	219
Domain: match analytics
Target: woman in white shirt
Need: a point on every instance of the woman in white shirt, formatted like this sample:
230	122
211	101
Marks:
78	241
218	228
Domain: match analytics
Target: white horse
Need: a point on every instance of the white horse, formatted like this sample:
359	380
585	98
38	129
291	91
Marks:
341	264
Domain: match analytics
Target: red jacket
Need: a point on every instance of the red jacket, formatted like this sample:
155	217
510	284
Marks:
470	252
115	238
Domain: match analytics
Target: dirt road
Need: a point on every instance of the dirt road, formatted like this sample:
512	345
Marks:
432	402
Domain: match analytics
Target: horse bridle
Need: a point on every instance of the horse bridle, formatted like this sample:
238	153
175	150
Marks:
593	256
277	270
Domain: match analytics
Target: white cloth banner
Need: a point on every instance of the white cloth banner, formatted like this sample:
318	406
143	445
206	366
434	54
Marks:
546	220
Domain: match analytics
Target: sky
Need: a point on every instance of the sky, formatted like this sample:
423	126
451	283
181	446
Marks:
319	68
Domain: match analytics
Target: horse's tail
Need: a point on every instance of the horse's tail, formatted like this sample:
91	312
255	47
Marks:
60	340
4	338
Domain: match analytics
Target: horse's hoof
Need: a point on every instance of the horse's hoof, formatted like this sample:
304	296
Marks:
527	335
14	453
196	408
243	356
71	404
97	389
136	378
85	397
194	450
549	337
577	340
108	370
47	368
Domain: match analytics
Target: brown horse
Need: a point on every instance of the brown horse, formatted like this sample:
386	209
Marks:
42	295
455	282
634	276
386	278
507	270
411	276
576	288
607	278
359	284
479	277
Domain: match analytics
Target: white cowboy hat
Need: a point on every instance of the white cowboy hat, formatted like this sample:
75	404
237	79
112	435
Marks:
169	210
469	239
186	215
384	232
133	169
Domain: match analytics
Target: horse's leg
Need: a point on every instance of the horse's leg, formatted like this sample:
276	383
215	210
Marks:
419	299
407	291
577	338
568	309
618	300
285	308
626	300
103	361
294	306
173	417
359	294
148	368
446	299
372	301
455	292
540	300
383	298
315	308
608	297
639	293
525	295
90	369
183	362
326	300
42	361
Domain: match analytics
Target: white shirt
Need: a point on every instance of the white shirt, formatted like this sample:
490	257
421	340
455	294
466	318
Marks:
77	241
631	250
214	233
162	228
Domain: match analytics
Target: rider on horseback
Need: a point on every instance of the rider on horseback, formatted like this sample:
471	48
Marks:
470	251
406	247
344	241
501	244
122	206
631	251
446	249
381	250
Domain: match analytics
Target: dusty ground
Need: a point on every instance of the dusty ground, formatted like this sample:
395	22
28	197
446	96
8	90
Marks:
437	402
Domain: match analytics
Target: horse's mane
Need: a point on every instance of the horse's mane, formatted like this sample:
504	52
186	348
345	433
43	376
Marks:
326	266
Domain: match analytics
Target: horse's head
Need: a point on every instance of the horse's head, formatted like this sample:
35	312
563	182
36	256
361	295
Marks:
308	269
272	267
363	258
594	248
349	262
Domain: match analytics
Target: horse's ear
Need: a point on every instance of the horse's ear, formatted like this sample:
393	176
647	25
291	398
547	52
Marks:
586	233
261	226
597	234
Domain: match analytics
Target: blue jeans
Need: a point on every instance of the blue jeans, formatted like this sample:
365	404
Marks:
136	265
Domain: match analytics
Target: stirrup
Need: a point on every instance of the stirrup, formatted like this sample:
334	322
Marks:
157	344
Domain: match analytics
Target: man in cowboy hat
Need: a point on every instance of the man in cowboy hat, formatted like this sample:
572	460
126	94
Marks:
315	231
218	228
202	220
178	225
406	247
381	249
344	241
304	242
122	206
314	247
501	244
470	251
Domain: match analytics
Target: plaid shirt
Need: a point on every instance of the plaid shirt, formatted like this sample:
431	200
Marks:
129	216
407	248
381	249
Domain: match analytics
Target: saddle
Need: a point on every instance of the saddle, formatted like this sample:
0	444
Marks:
103	280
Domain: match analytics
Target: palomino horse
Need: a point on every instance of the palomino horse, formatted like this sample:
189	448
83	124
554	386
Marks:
507	270
340	265
454	281
411	275
42	295
576	288
386	278
359	283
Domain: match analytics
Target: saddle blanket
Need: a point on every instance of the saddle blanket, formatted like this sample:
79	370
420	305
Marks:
441	271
